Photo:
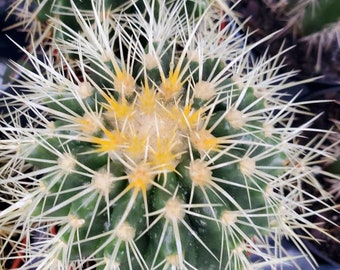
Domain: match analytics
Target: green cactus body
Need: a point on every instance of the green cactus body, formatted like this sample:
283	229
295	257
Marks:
39	18
61	9
157	157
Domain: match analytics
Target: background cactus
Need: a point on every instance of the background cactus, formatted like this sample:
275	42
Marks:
312	16
311	27
161	144
316	23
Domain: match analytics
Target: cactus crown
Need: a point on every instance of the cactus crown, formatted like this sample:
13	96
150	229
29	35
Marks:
152	140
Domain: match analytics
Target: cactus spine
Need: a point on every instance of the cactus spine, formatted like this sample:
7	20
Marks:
158	144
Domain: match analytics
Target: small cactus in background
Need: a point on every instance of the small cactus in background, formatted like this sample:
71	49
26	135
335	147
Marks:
308	17
312	16
160	144
315	24
318	24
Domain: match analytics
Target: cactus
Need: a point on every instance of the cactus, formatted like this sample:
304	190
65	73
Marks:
40	19
319	23
161	144
313	15
309	16
313	24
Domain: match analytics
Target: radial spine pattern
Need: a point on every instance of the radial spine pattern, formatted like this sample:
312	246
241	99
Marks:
151	139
